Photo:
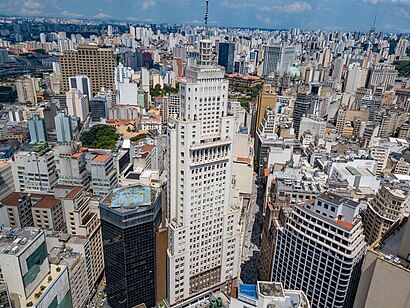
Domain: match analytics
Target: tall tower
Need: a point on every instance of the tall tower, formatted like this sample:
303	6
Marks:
202	213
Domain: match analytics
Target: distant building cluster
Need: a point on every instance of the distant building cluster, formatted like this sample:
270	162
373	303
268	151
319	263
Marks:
187	166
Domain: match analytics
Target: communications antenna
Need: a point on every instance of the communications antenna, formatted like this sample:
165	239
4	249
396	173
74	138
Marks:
206	19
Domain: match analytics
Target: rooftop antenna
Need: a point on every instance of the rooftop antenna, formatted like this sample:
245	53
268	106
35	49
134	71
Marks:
206	19
373	28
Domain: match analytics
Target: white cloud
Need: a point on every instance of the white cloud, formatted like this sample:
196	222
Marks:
70	14
403	13
194	21
147	4
31	4
102	15
29	12
388	1
293	7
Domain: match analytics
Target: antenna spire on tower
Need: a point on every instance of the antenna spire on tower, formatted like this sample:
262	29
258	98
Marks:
206	18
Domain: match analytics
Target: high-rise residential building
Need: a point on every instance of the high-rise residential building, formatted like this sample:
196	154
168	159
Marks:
71	166
203	255
16	210
385	274
6	175
268	294
226	56
81	83
31	280
103	173
37	128
312	124
278	59
381	154
26	89
170	107
82	221
64	128
130	218
265	136
35	170
390	202
77	104
338	69
300	109
320	251
266	99
382	74
96	63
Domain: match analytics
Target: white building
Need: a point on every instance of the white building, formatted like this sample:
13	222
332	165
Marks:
34	171
381	154
204	239
6	174
81	83
316	127
31	279
127	92
77	104
320	251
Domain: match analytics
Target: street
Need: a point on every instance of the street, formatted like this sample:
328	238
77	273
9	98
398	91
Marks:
252	237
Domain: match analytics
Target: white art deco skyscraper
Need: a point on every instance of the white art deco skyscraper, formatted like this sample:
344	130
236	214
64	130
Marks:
202	213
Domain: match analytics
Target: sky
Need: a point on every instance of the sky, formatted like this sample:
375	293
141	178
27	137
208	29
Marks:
349	15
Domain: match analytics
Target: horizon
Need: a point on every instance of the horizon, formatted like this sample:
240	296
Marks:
392	15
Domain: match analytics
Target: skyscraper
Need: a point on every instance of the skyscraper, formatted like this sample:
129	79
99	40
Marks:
26	90
390	202
226	56
203	247
278	58
320	251
81	83
130	217
63	128
77	104
301	108
90	60
37	128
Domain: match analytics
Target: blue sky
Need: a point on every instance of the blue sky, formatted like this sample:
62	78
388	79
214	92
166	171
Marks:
393	15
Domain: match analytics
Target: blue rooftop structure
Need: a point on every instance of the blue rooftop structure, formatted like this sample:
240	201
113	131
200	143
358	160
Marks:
131	197
248	290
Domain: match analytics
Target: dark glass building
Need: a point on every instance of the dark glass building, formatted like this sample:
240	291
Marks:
130	218
98	108
302	108
226	56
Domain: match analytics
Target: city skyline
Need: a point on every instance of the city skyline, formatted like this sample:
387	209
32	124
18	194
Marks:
392	15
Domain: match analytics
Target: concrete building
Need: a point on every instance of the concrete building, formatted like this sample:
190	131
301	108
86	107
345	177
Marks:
268	294
47	212
26	89
6	176
98	64
130	219
81	83
385	273
98	109
71	166
77	104
72	252
32	281
37	128
265	137
382	74
242	170
327	251
266	99
381	154
390	203
205	255
34	170
103	173
124	112
316	127
278	59
16	211
82	221
170	107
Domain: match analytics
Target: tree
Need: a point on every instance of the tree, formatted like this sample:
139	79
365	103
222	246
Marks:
100	137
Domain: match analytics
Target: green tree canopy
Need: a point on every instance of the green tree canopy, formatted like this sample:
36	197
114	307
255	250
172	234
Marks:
100	137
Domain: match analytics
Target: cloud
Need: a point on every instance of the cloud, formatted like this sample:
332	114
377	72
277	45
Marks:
194	21
264	19
70	14
147	4
388	1
293	7
102	15
31	4
403	13
25	11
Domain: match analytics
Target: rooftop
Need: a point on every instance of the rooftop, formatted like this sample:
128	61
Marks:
101	158
13	240
131	197
45	202
394	245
